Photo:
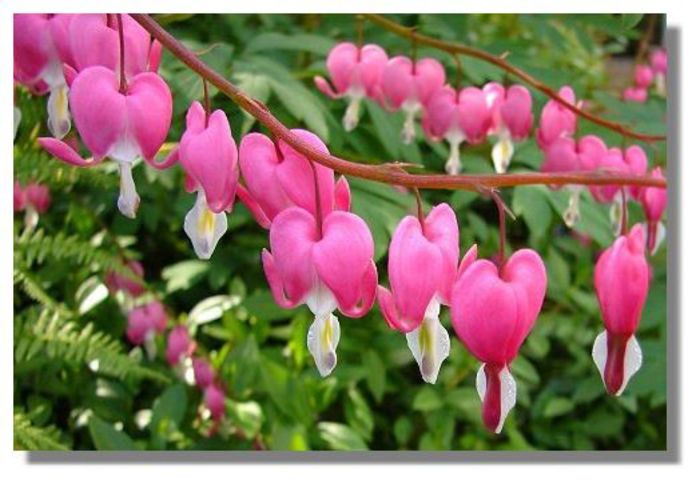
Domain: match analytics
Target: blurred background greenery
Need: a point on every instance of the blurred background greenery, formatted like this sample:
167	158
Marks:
375	399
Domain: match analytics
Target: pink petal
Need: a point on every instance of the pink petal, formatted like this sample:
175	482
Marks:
474	114
343	261
150	109
65	152
323	86
441	229
342	195
517	111
288	266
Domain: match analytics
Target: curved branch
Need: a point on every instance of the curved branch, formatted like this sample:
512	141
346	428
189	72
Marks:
383	173
454	48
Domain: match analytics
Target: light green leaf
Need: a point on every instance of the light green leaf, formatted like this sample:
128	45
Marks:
340	437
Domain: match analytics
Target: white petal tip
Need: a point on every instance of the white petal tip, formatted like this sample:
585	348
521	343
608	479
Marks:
430	346
501	154
59	114
322	341
204	227
632	359
508	392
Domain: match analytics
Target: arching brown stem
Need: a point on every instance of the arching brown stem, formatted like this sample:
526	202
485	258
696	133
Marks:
455	49
384	174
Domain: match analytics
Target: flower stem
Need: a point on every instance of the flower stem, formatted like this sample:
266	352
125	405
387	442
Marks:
383	174
419	208
122	75
207	105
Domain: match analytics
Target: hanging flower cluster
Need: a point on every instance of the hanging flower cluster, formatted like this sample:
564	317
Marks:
647	74
33	199
320	253
418	88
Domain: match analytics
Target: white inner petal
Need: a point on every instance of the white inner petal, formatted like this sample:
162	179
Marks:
59	114
17	120
509	392
128	202
321	300
429	343
352	112
322	341
572	214
616	214
502	152
454	137
411	107
633	358
204	227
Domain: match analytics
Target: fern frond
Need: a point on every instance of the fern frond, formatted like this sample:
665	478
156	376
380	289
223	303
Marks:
29	437
33	289
56	338
39	246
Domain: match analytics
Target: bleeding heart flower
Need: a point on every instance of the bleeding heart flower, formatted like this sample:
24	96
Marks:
19	197
278	177
621	284
409	86
422	268
94	41
565	154
635	94
41	47
456	118
180	346
215	401
120	125
144	323
116	282
556	120
633	162
324	269
356	73
208	154
35	199
511	120
493	312
643	75
654	201
203	372
659	61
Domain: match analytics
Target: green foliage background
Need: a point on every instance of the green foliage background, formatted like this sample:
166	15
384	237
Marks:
375	399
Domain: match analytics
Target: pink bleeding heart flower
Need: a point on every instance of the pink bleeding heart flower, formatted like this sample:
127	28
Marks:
632	161
456	118
327	268
120	125
556	120
621	284
144	322
278	177
511	120
41	47
19	197
493	312
94	41
38	197
423	261
116	282
215	401
635	94
356	73
209	156
565	154
654	201
35	199
659	61
180	346
203	372
643	75
409	86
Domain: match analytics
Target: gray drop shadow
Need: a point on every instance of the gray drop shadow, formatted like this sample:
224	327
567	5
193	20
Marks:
670	455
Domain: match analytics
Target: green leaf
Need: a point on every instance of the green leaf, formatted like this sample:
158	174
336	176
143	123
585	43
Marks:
183	275
358	414
247	416
212	308
340	437
630	20
386	128
376	374
316	44
427	400
558	406
106	437
168	411
403	428
531	202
